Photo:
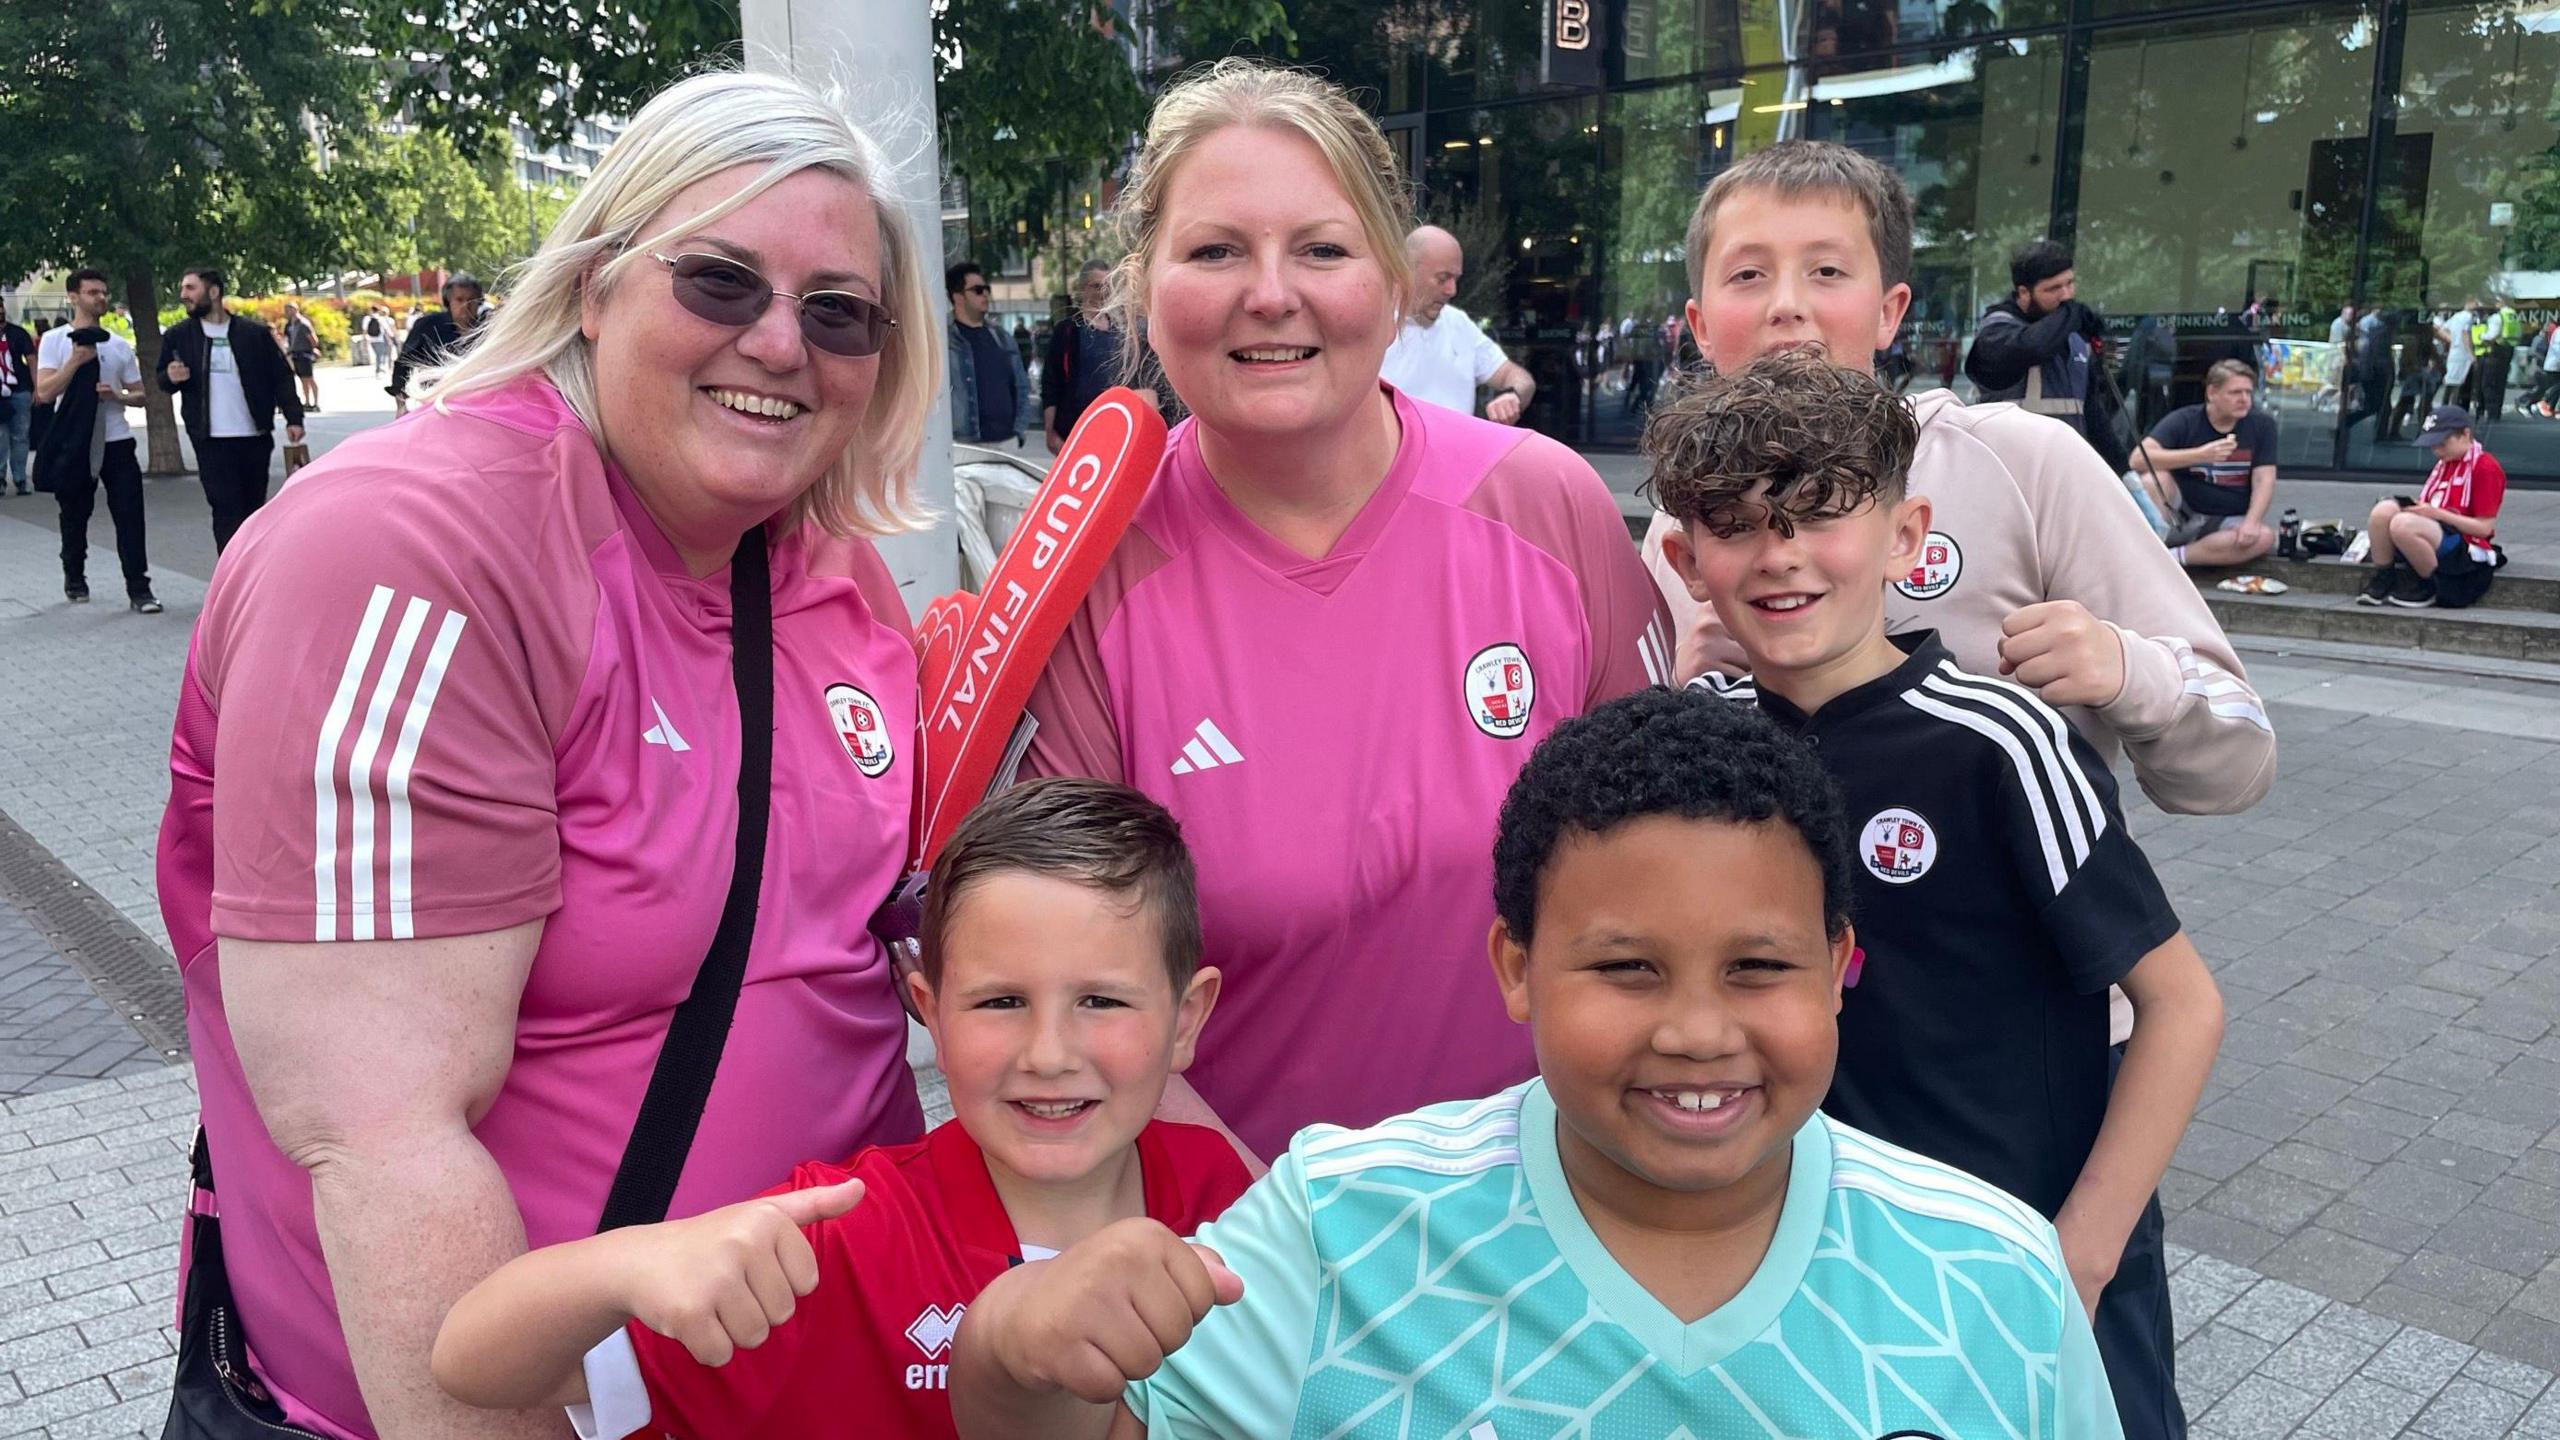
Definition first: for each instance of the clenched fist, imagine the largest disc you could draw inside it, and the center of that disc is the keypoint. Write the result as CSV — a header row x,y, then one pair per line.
x,y
2062,652
1106,1312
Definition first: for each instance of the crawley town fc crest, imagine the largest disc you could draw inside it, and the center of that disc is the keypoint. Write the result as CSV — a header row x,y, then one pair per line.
x,y
859,725
1897,847
1500,689
1941,561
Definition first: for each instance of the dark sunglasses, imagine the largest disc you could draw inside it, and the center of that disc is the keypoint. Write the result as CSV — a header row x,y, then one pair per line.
x,y
728,292
979,289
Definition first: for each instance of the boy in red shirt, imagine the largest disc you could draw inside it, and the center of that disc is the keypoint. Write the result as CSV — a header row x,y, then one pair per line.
x,y
1062,985
2441,550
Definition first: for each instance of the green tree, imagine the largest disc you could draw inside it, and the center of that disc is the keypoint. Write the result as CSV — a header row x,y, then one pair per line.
x,y
149,135
1033,97
414,200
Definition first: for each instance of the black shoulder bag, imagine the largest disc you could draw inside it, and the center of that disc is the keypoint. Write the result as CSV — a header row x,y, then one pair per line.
x,y
217,1396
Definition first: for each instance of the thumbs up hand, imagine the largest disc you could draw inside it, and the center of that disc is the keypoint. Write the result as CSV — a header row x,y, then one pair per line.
x,y
720,1282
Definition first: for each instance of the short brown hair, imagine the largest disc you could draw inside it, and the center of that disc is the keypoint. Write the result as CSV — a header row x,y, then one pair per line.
x,y
1825,439
1792,168
1091,832
2222,372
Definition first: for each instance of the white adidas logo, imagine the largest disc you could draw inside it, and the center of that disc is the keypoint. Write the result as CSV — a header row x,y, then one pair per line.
x,y
1207,749
664,732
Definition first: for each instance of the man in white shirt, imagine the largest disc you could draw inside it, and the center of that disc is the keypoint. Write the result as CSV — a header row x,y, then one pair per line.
x,y
90,445
231,380
1439,355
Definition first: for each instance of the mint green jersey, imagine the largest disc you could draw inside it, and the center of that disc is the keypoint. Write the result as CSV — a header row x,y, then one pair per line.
x,y
1434,1276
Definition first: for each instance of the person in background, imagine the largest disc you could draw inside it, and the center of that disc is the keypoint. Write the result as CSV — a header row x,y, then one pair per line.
x,y
302,354
989,386
17,401
2459,336
230,382
1084,356
2212,469
2439,549
1440,354
2038,348
89,444
438,337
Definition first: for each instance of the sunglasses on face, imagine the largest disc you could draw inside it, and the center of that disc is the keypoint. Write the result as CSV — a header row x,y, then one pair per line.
x,y
979,289
728,292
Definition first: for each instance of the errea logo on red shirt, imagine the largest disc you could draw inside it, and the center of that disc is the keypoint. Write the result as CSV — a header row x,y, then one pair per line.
x,y
931,1332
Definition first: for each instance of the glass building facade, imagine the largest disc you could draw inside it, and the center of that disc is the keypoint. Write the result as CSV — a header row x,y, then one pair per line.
x,y
2230,176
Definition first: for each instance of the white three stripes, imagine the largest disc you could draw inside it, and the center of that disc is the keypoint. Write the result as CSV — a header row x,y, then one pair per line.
x,y
1207,749
357,774
2051,777
1653,646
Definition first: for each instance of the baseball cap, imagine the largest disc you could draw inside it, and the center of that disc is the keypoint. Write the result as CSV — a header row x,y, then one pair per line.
x,y
2441,421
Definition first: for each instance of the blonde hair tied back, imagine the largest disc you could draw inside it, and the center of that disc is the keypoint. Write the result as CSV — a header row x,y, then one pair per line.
x,y
697,128
1241,91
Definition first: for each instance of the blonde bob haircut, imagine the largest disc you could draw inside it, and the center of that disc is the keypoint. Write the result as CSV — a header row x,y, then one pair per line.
x,y
691,131
1239,91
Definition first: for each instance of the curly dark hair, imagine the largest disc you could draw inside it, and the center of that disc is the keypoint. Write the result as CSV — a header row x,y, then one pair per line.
x,y
1826,439
1664,752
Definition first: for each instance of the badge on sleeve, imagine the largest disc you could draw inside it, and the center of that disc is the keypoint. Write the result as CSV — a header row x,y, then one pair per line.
x,y
1500,690
859,725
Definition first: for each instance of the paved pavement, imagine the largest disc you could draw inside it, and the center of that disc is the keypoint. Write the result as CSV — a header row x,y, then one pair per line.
x,y
2364,1219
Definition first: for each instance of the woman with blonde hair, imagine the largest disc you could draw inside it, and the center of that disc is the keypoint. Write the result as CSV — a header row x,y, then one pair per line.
x,y
1339,623
472,760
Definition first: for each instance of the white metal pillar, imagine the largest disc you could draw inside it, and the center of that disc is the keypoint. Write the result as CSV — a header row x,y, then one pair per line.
x,y
880,54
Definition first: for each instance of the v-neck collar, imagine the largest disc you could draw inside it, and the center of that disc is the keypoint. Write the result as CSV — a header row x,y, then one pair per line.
x,y
1921,651
1323,575
1685,1348
977,1212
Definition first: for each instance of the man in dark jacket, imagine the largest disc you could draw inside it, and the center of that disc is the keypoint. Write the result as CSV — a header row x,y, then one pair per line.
x,y
230,381
17,402
439,335
2036,348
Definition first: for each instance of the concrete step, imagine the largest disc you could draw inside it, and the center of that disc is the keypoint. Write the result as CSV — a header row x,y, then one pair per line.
x,y
2504,634
2518,587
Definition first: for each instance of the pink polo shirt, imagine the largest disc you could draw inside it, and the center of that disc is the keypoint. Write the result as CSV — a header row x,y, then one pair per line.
x,y
1336,737
453,679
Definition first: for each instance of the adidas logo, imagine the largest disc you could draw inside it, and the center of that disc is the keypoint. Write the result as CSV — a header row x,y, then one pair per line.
x,y
1207,749
664,732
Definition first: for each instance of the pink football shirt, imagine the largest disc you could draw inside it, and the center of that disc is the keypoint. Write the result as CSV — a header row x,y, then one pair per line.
x,y
1336,737
453,679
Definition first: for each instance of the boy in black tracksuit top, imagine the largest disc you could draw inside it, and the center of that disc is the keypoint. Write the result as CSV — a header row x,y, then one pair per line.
x,y
1999,894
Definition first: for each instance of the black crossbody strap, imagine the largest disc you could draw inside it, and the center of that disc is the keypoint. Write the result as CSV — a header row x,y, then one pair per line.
x,y
671,1111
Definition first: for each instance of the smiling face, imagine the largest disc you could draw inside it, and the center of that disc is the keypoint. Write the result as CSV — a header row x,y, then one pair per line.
x,y
1804,599
1783,270
719,427
1056,1023
1266,302
1681,993
200,299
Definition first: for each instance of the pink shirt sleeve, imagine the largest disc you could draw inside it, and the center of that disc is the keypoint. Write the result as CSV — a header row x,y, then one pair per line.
x,y
1078,733
383,761
1551,497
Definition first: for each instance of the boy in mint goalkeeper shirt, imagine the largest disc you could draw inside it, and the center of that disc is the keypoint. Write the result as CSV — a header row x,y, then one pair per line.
x,y
1656,1237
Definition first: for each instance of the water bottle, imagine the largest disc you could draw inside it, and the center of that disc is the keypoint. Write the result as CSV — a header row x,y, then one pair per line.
x,y
2289,536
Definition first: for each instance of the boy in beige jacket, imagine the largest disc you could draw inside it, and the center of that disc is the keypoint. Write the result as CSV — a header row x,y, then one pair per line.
x,y
2037,566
